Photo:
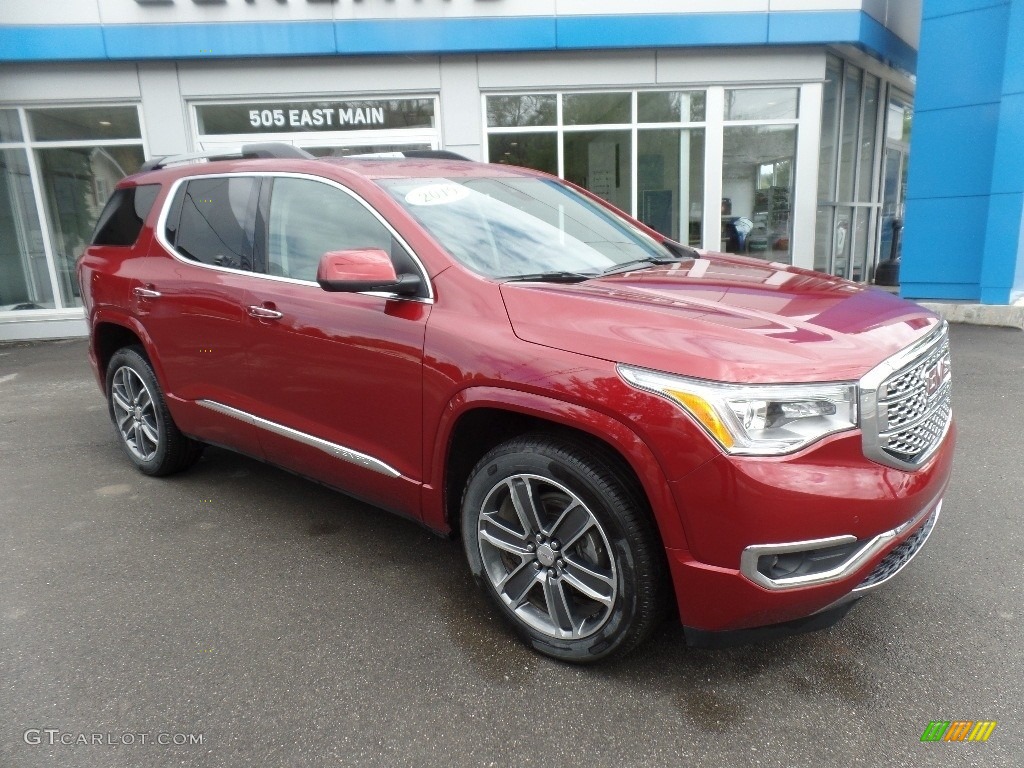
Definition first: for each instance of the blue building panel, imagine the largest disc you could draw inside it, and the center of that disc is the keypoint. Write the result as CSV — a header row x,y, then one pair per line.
x,y
936,8
1008,165
968,134
952,152
64,43
181,41
943,241
963,55
451,35
1013,75
444,35
647,30
1001,260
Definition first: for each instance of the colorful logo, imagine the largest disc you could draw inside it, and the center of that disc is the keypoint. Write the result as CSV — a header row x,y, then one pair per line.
x,y
958,730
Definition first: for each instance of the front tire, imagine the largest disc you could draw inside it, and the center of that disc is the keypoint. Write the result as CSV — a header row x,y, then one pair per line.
x,y
563,543
146,432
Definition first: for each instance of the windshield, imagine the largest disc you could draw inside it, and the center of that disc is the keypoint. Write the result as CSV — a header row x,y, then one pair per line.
x,y
513,227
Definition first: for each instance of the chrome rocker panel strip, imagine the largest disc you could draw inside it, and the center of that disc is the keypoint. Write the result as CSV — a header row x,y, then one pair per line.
x,y
750,555
332,449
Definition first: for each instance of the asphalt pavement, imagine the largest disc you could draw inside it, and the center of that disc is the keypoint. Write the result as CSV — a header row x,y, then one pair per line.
x,y
237,615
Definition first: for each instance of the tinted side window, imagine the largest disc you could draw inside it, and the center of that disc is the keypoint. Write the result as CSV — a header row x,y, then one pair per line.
x,y
216,221
308,218
124,214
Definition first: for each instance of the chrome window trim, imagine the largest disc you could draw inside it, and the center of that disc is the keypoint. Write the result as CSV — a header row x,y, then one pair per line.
x,y
161,235
871,429
750,555
332,449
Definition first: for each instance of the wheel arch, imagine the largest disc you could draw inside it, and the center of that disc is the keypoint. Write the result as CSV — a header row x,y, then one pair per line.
x,y
478,419
111,332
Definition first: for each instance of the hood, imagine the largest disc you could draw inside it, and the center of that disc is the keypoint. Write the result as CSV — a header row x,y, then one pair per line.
x,y
721,317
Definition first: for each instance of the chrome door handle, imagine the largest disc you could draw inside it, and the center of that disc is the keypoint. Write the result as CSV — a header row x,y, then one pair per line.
x,y
146,293
265,314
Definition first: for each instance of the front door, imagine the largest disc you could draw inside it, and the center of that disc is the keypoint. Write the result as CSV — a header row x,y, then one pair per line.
x,y
338,375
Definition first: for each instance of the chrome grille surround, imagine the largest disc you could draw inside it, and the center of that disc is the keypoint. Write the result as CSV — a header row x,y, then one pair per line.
x,y
906,403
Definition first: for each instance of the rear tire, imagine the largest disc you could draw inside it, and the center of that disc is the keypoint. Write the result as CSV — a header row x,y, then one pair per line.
x,y
563,543
146,432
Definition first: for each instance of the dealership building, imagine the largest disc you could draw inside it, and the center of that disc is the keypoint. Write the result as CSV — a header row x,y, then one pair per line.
x,y
776,128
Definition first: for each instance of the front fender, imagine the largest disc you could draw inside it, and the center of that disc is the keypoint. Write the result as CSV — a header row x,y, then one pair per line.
x,y
616,434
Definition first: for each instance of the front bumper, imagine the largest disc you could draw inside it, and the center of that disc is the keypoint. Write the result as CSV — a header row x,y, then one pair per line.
x,y
846,525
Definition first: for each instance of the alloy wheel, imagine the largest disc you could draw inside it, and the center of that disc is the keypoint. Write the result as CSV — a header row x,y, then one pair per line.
x,y
135,413
547,556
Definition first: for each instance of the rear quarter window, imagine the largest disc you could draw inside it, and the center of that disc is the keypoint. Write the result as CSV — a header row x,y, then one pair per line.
x,y
124,214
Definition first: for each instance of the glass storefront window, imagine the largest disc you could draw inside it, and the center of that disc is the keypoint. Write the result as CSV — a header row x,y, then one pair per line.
x,y
666,162
530,150
84,123
848,140
597,108
670,107
55,182
853,231
525,110
24,276
76,184
757,189
670,182
867,140
10,127
829,129
601,162
761,103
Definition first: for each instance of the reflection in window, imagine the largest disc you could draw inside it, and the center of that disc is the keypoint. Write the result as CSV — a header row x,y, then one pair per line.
x,y
510,226
761,103
24,277
670,106
597,108
76,184
529,150
215,224
308,219
525,110
10,127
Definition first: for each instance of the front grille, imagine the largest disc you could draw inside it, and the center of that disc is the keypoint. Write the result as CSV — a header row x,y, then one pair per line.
x,y
894,562
908,411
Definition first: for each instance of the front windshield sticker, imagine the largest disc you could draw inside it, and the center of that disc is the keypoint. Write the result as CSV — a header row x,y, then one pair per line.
x,y
437,194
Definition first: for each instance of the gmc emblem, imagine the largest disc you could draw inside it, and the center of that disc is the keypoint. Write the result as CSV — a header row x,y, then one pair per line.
x,y
934,376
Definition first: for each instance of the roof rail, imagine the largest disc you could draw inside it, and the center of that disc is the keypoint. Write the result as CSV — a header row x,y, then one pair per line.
x,y
277,150
426,154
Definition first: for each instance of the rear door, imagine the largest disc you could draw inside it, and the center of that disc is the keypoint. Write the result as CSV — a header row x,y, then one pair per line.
x,y
192,298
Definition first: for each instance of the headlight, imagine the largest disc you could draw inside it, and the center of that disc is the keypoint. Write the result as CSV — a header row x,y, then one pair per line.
x,y
756,419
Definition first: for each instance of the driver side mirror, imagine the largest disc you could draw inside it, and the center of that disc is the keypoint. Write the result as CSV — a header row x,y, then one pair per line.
x,y
363,269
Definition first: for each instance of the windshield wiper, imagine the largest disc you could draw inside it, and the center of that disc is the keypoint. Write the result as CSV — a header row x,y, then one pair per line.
x,y
650,261
550,277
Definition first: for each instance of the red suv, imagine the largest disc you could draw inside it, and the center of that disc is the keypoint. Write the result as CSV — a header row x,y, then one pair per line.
x,y
613,422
